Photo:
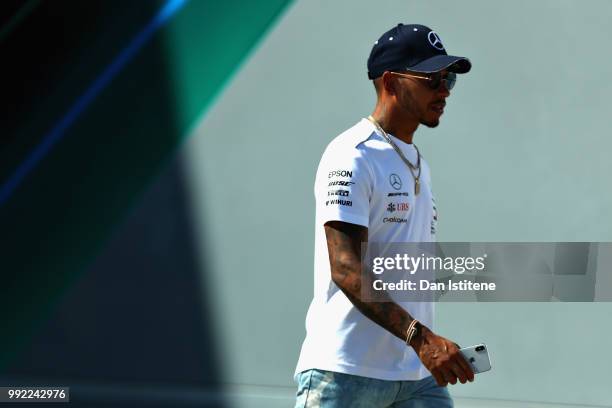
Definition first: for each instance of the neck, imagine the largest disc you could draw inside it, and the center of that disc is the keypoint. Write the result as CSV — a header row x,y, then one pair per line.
x,y
392,122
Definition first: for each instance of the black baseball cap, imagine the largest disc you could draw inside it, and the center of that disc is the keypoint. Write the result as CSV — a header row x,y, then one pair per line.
x,y
412,47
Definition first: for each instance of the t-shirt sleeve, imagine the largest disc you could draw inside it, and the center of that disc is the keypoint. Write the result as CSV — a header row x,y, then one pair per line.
x,y
343,187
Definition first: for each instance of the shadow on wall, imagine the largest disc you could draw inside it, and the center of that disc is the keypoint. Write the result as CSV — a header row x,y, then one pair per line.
x,y
135,324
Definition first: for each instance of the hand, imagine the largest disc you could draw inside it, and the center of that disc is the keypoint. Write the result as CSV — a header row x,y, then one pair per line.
x,y
442,358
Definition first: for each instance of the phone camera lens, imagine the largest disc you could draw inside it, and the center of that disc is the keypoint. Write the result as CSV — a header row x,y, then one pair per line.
x,y
480,348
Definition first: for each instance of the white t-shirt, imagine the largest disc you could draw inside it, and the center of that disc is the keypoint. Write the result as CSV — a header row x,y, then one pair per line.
x,y
362,180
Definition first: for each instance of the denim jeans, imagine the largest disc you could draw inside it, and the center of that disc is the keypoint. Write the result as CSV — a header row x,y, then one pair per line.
x,y
328,389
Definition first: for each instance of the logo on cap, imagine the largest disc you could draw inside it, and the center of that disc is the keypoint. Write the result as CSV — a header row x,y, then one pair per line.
x,y
435,41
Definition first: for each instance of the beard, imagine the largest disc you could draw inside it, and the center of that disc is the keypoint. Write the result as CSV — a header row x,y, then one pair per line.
x,y
430,123
413,108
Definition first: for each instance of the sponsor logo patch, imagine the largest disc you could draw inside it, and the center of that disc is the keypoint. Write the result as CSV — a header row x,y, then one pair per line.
x,y
343,193
340,183
395,219
400,206
434,221
395,181
340,173
347,203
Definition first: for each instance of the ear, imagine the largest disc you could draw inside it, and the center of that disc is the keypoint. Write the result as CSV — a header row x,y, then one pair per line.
x,y
389,82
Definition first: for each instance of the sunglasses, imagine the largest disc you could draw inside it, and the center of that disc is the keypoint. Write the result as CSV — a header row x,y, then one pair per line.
x,y
435,79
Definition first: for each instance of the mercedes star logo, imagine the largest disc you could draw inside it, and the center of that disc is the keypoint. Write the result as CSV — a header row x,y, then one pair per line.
x,y
435,41
395,181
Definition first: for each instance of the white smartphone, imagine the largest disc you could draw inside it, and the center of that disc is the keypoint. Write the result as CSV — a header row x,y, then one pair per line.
x,y
478,357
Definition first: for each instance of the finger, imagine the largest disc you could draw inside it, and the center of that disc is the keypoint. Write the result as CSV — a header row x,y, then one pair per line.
x,y
449,376
439,378
465,366
458,371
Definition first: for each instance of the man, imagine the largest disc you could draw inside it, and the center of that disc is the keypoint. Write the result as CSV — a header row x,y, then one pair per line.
x,y
373,185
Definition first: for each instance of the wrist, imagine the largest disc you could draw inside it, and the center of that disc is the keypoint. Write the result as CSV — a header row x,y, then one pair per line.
x,y
420,336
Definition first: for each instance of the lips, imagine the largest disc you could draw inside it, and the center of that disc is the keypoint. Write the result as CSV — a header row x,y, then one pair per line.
x,y
438,108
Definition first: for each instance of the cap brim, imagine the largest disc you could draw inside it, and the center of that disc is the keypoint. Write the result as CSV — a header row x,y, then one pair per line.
x,y
460,65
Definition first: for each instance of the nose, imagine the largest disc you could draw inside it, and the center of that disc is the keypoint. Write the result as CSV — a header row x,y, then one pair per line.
x,y
443,90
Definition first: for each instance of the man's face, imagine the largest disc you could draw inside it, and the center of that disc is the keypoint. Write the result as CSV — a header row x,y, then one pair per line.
x,y
415,96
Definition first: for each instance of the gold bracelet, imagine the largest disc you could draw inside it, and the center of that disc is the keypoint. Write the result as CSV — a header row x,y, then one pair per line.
x,y
411,331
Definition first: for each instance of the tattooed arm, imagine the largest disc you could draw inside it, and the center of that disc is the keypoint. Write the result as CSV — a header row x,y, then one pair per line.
x,y
439,355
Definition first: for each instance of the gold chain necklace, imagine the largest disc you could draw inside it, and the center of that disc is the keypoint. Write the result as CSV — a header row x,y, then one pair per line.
x,y
411,167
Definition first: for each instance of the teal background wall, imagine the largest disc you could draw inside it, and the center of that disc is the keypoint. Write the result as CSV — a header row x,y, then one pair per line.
x,y
521,155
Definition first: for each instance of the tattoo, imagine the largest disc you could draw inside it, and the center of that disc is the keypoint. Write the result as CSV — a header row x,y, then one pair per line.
x,y
344,246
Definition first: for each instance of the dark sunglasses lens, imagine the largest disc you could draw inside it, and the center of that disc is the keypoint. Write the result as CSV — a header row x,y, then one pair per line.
x,y
451,79
435,79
